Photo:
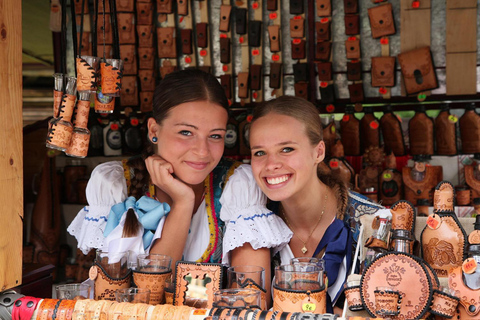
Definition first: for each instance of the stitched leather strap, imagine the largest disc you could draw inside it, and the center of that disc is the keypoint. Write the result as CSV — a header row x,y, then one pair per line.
x,y
24,308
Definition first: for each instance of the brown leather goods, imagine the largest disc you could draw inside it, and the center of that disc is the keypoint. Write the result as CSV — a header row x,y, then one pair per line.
x,y
78,7
274,36
146,58
383,71
314,301
57,101
147,80
381,20
352,294
129,92
101,107
225,50
403,216
446,133
126,28
470,130
369,130
469,306
86,76
128,54
197,270
226,83
155,282
471,181
202,35
225,11
392,133
298,49
338,165
301,90
354,71
297,27
100,6
352,48
242,79
324,71
390,184
329,137
356,92
105,285
418,70
182,7
108,31
79,144
59,134
352,24
125,5
463,195
256,78
144,13
350,133
368,179
146,101
396,270
350,6
164,6
85,43
415,190
186,39
324,8
108,50
322,50
145,36
272,5
275,75
110,78
387,302
323,30
444,244
46,217
420,129
444,304
166,42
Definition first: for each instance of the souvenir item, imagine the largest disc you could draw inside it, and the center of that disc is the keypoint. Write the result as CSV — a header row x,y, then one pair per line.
x,y
111,75
396,270
472,178
446,132
112,137
58,92
369,130
110,272
444,304
250,278
469,306
418,70
151,273
421,133
339,165
470,130
81,135
383,71
350,133
390,183
463,195
381,20
443,240
403,216
392,133
420,181
87,68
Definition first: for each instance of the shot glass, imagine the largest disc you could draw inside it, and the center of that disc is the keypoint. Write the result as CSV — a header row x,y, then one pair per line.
x,y
248,277
111,75
387,301
299,278
115,264
87,68
73,291
134,295
59,83
237,298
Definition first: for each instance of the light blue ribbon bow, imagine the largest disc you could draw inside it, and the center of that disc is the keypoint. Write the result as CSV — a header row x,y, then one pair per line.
x,y
149,212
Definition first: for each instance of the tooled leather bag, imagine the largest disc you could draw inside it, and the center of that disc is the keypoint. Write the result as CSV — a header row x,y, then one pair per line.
x,y
415,190
470,131
381,20
446,133
383,71
469,306
350,134
421,133
444,244
392,134
418,70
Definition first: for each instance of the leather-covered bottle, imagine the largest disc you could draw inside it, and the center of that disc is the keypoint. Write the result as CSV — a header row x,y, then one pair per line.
x,y
470,130
329,136
350,133
390,182
421,133
443,240
421,187
392,132
369,130
472,176
339,165
446,132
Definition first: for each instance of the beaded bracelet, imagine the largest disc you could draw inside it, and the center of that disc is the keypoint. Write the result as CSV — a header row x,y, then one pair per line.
x,y
24,308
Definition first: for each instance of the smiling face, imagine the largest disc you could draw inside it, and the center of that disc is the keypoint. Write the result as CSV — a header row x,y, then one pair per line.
x,y
284,161
191,138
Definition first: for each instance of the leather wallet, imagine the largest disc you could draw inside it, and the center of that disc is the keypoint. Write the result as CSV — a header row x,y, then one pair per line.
x,y
147,80
297,27
354,71
144,13
324,70
146,58
182,7
417,70
129,93
352,48
350,6
381,20
356,92
166,42
324,8
322,50
383,71
352,24
145,36
298,49
126,29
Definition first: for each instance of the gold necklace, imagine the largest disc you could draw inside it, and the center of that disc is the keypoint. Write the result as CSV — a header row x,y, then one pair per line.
x,y
304,248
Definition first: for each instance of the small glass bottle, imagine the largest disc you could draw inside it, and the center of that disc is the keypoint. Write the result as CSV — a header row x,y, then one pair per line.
x,y
401,241
472,280
81,135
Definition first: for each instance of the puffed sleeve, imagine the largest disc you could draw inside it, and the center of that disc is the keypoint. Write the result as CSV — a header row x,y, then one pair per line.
x,y
106,187
246,217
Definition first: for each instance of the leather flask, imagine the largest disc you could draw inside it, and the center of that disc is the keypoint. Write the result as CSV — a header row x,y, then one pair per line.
x,y
421,189
470,130
369,130
350,133
421,133
392,133
446,133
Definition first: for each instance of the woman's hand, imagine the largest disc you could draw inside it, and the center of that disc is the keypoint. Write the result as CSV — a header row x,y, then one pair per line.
x,y
161,173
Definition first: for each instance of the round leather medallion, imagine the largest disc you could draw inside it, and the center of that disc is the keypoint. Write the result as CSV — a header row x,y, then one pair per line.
x,y
397,270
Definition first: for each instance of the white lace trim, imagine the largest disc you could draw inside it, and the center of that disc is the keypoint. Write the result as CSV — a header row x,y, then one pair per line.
x,y
88,228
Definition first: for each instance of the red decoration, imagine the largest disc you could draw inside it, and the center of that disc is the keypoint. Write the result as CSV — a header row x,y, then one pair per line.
x,y
324,20
415,4
345,118
275,57
255,95
353,38
114,126
297,17
203,52
382,90
241,40
323,84
374,125
330,108
134,122
223,36
225,68
255,52
384,40
255,5
188,59
273,16
249,118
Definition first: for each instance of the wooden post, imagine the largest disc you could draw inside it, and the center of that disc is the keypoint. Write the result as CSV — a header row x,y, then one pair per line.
x,y
11,159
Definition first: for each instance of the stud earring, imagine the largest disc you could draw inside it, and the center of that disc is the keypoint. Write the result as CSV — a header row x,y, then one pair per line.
x,y
154,139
